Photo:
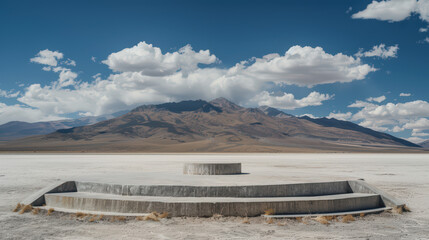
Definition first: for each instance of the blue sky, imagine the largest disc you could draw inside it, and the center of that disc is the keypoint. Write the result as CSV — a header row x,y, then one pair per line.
x,y
332,56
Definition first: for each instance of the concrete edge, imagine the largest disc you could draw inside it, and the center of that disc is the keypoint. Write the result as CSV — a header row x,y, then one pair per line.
x,y
360,186
38,198
74,211
376,210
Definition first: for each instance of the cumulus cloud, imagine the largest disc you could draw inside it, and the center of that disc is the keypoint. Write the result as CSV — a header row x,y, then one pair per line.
x,y
423,29
376,99
340,116
23,113
8,94
47,57
288,101
405,94
395,10
306,66
393,117
416,140
143,74
380,51
150,61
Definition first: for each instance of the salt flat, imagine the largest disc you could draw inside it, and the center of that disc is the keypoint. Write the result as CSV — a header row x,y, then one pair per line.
x,y
405,176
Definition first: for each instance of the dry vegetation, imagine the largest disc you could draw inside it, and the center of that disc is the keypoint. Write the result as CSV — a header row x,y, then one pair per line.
x,y
347,219
50,211
26,208
269,211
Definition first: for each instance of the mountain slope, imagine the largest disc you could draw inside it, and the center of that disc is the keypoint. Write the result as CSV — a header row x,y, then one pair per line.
x,y
425,144
16,129
200,126
335,123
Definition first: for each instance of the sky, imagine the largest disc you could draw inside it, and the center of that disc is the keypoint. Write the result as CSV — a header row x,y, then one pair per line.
x,y
360,61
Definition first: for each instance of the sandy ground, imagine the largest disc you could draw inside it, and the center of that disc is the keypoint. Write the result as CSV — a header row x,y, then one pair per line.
x,y
406,176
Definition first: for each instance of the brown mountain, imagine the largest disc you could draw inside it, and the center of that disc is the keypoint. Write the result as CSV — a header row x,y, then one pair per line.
x,y
17,129
216,126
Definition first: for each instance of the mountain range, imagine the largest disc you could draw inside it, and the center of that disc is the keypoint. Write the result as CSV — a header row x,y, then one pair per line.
x,y
215,126
17,129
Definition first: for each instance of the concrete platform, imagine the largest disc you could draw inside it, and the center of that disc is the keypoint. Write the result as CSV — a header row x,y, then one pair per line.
x,y
208,206
211,168
205,201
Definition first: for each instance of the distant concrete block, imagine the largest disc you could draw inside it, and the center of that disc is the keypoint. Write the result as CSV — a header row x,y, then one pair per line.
x,y
212,168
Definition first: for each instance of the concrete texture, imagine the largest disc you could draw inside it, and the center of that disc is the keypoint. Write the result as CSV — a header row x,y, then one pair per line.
x,y
275,190
211,168
374,210
207,207
363,187
204,201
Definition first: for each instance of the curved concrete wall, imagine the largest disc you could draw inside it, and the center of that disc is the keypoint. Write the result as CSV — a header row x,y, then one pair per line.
x,y
207,208
212,168
281,190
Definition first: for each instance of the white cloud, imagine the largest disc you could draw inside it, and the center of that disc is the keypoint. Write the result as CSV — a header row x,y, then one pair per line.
x,y
47,57
66,77
306,66
308,115
69,62
288,101
416,139
376,99
393,117
93,59
405,94
380,51
150,61
418,125
340,116
395,10
8,94
19,112
423,29
145,75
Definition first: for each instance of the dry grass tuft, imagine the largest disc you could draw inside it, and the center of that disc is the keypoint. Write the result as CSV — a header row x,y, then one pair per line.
x,y
25,209
50,211
269,211
399,210
163,215
322,220
120,218
152,216
405,208
100,217
139,218
81,214
17,208
246,221
347,218
93,218
281,224
270,220
35,211
362,215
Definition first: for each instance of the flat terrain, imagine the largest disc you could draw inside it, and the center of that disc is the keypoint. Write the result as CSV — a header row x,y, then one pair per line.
x,y
405,176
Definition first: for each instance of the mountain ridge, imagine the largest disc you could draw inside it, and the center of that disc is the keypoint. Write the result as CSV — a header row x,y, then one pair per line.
x,y
200,126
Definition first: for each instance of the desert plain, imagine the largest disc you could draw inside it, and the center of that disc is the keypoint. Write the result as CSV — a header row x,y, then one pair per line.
x,y
405,176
